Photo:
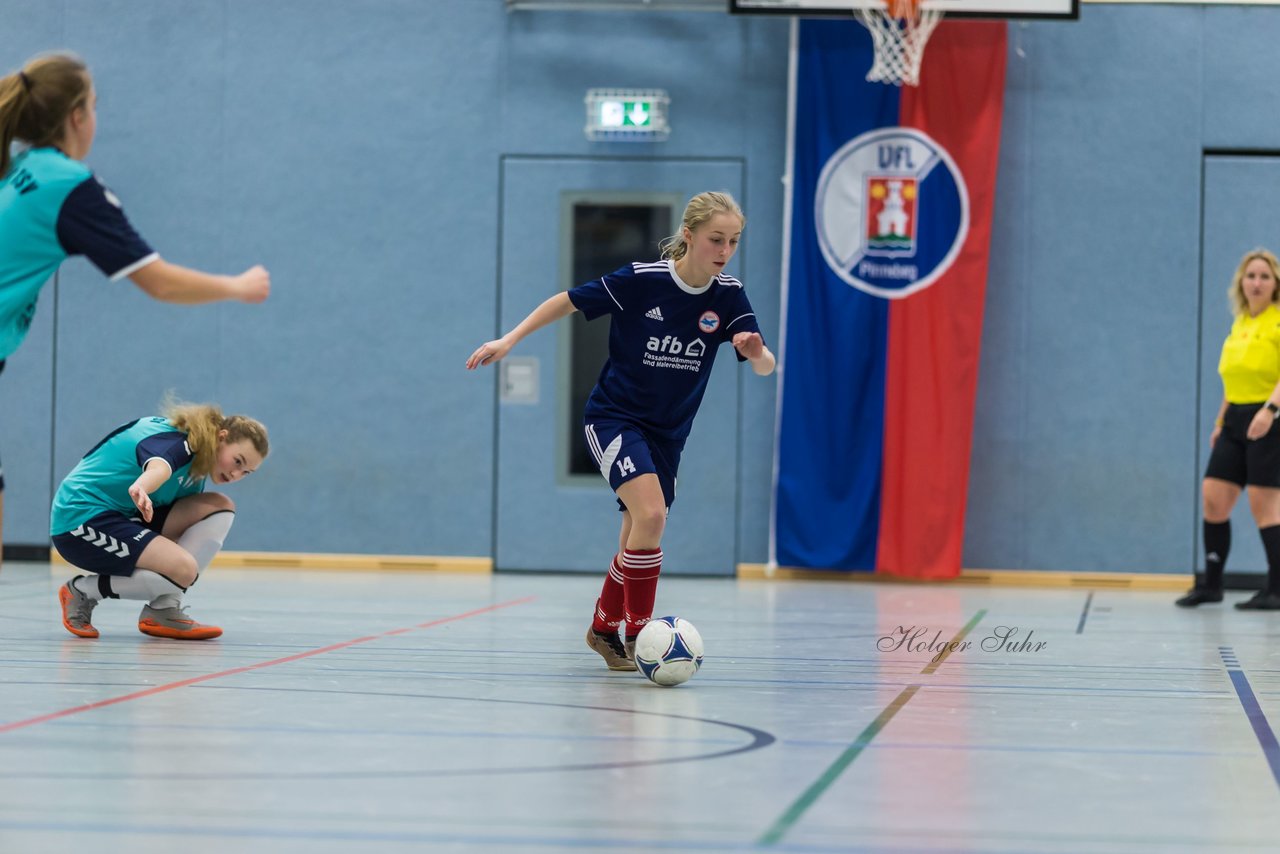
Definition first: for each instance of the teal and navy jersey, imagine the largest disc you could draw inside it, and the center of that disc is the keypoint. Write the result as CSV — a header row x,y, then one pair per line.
x,y
51,207
662,342
101,480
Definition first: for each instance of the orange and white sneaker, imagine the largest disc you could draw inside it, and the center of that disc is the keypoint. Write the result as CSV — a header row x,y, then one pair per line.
x,y
77,609
173,623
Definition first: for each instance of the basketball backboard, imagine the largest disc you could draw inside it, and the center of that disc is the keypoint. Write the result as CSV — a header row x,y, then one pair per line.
x,y
952,8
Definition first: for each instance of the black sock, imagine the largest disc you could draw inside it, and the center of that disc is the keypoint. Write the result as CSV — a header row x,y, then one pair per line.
x,y
104,587
1217,544
1271,542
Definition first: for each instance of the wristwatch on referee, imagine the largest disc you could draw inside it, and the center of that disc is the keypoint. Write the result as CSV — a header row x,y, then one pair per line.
x,y
1272,408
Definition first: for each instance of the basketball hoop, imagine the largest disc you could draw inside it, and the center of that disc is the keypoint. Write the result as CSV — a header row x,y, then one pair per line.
x,y
899,30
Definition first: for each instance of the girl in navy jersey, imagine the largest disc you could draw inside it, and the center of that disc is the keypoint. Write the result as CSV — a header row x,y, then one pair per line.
x,y
134,512
668,319
52,206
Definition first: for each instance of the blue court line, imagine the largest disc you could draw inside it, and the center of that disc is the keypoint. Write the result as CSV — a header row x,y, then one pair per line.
x,y
485,842
908,666
1025,748
1084,615
194,833
482,735
979,688
330,732
1261,729
703,679
758,739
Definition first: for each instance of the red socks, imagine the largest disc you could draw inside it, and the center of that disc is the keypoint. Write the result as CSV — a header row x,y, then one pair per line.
x,y
628,592
640,569
610,605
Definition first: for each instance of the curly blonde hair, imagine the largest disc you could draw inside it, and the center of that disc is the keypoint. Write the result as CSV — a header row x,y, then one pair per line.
x,y
1239,304
203,421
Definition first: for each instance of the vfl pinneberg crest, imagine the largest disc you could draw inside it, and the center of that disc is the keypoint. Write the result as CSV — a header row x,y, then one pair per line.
x,y
891,212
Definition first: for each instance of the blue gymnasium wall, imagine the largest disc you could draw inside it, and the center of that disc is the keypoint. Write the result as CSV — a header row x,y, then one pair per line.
x,y
1086,432
354,149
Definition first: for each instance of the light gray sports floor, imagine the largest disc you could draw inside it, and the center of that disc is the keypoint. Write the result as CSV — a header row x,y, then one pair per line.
x,y
397,712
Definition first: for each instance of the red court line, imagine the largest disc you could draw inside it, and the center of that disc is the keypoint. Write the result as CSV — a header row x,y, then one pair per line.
x,y
198,679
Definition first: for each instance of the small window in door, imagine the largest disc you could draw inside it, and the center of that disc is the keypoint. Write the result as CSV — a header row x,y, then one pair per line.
x,y
603,233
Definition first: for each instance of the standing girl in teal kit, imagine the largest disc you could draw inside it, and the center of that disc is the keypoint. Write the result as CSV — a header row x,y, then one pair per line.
x,y
134,511
52,206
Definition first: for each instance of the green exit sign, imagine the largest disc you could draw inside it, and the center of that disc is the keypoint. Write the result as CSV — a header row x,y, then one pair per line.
x,y
627,115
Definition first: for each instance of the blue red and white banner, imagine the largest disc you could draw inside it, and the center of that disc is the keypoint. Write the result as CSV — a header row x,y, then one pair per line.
x,y
886,270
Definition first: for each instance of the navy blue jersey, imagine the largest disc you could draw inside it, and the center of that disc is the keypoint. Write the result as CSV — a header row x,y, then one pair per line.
x,y
662,343
52,206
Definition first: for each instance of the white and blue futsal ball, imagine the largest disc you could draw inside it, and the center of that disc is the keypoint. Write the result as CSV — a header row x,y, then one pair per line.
x,y
669,650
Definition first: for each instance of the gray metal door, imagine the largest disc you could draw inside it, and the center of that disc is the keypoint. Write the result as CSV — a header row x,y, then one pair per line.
x,y
1239,196
546,518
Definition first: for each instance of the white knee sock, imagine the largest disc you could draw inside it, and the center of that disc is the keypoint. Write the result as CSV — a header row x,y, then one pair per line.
x,y
144,584
90,585
203,541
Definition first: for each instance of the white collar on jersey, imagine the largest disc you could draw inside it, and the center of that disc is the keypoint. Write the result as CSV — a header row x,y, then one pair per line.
x,y
682,284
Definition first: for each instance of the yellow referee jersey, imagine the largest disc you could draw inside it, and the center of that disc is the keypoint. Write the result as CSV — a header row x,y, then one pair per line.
x,y
1250,362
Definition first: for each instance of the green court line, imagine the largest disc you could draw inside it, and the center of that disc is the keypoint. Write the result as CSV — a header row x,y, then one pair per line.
x,y
788,819
955,642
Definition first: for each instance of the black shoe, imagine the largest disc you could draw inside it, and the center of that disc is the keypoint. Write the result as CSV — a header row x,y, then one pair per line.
x,y
1263,600
1199,596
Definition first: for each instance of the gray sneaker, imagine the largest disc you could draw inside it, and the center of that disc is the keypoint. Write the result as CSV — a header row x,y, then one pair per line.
x,y
77,610
173,623
611,649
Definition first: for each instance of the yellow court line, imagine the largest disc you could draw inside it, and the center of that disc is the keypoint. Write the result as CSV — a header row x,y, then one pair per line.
x,y
308,560
997,577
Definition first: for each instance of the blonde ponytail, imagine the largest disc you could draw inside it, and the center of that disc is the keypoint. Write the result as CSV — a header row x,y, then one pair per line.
x,y
699,210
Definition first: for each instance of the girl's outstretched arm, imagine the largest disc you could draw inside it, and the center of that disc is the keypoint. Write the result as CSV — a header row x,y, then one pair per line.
x,y
549,312
173,283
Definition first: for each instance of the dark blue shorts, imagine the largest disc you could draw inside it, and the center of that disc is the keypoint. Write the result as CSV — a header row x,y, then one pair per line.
x,y
622,452
110,543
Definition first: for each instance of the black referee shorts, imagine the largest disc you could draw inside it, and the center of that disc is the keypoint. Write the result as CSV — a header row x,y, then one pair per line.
x,y
1240,460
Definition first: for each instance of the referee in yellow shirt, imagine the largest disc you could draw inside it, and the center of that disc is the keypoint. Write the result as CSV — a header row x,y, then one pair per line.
x,y
1245,440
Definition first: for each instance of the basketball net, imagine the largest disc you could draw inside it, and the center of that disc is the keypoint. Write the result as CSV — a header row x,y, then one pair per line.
x,y
899,30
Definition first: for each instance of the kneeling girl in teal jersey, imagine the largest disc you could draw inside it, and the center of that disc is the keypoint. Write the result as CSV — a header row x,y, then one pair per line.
x,y
134,512
52,207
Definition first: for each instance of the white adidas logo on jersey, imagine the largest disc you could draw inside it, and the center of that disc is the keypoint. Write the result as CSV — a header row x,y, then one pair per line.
x,y
655,313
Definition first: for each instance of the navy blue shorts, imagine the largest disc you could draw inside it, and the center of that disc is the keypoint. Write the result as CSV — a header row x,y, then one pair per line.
x,y
110,543
1240,460
622,452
